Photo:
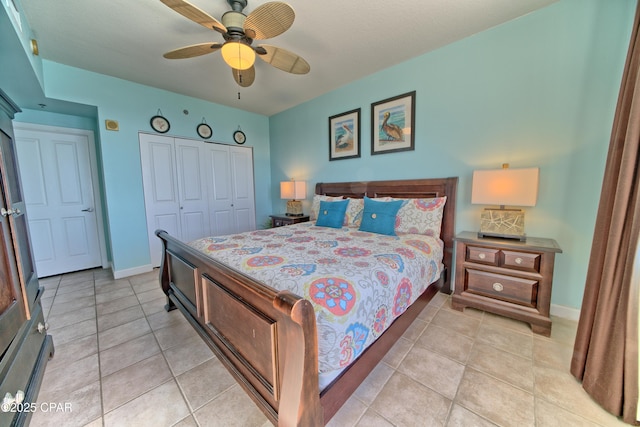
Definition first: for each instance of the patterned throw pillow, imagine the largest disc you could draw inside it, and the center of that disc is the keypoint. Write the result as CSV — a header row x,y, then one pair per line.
x,y
331,214
420,216
315,205
353,216
379,217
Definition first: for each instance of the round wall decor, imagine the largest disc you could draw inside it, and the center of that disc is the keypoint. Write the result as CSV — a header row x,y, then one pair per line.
x,y
204,131
160,124
239,137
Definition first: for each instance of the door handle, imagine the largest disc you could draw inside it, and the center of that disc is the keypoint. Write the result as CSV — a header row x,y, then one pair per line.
x,y
87,210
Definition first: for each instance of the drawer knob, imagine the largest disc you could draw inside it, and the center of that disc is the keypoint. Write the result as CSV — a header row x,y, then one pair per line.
x,y
498,287
482,256
518,260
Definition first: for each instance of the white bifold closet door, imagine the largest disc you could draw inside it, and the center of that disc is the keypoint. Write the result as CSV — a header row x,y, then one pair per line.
x,y
231,193
182,177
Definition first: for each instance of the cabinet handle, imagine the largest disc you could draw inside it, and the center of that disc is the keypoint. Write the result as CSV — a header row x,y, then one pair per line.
x,y
43,328
7,212
482,256
9,400
518,260
497,287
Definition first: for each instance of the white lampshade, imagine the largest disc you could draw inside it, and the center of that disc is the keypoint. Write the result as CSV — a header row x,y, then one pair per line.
x,y
505,187
238,55
293,190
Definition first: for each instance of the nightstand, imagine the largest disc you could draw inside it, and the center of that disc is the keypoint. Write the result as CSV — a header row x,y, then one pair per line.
x,y
506,277
280,220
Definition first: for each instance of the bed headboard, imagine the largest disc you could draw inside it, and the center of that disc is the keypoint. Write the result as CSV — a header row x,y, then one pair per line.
x,y
409,188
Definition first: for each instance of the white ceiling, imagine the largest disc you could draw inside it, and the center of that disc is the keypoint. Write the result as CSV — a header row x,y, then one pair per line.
x,y
343,41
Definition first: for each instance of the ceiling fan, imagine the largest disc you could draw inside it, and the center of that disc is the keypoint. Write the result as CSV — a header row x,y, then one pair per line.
x,y
239,31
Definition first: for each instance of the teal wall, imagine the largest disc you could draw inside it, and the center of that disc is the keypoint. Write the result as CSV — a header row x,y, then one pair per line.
x,y
537,91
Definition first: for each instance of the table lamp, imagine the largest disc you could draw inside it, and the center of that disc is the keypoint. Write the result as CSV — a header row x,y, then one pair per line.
x,y
504,187
293,190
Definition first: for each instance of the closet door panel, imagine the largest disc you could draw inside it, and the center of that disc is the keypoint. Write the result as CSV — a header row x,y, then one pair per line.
x,y
192,189
160,184
221,209
243,188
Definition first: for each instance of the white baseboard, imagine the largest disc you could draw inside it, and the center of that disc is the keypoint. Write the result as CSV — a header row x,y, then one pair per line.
x,y
565,312
119,274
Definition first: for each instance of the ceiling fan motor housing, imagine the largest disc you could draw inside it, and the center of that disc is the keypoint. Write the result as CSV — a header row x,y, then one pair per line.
x,y
234,21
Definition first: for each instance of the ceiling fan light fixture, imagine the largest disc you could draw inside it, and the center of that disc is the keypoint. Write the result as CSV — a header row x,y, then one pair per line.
x,y
238,55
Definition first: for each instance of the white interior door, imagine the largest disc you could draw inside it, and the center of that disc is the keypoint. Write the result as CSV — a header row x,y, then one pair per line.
x,y
55,169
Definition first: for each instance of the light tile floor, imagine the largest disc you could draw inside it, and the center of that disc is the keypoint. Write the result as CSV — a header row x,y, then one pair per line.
x,y
122,360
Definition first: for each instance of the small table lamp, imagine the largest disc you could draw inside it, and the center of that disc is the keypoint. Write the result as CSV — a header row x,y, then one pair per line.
x,y
512,187
293,190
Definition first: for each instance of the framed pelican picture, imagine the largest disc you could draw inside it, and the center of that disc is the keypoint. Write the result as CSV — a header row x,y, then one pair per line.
x,y
344,135
393,124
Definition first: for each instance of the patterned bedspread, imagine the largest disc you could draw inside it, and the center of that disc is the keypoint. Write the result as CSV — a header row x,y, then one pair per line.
x,y
358,282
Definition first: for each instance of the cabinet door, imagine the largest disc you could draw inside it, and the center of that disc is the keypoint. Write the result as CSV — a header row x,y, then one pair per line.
x,y
12,309
15,211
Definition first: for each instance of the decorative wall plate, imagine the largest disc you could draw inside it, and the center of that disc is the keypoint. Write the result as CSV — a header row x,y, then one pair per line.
x,y
204,131
160,124
239,137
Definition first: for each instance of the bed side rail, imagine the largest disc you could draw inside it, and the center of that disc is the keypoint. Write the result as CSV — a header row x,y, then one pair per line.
x,y
266,339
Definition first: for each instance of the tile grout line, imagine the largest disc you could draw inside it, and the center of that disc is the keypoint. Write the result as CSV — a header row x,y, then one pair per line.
x,y
95,308
173,376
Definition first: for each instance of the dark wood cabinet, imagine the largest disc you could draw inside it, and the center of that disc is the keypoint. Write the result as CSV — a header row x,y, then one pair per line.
x,y
25,346
506,277
280,220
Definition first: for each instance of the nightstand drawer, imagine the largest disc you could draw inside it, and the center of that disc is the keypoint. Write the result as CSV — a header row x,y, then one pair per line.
x,y
279,222
506,288
483,255
522,261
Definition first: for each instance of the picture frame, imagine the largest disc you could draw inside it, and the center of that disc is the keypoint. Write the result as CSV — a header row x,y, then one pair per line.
x,y
393,124
344,135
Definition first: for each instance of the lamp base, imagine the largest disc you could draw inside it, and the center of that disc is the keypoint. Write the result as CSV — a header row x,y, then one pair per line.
x,y
502,223
294,208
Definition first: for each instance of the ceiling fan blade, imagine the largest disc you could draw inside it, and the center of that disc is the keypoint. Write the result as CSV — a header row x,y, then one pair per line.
x,y
283,59
197,15
269,20
193,51
244,78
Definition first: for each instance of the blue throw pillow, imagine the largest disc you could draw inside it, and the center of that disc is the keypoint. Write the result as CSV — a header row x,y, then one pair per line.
x,y
380,217
331,214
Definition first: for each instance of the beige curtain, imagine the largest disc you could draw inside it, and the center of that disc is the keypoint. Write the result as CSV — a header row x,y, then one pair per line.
x,y
605,355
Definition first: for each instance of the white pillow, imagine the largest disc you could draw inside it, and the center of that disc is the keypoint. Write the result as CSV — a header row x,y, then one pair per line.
x,y
421,216
353,216
315,205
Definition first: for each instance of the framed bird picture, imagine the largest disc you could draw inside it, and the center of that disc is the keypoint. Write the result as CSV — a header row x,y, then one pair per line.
x,y
344,135
393,124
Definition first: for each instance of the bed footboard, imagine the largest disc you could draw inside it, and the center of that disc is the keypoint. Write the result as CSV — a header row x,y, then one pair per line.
x,y
266,339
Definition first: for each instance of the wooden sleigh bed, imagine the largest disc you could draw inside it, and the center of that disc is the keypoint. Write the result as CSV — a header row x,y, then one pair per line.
x,y
267,339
